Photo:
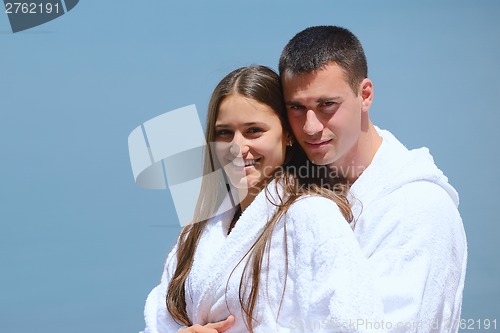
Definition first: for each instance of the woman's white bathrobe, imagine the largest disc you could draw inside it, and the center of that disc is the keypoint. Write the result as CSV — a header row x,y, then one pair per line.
x,y
327,285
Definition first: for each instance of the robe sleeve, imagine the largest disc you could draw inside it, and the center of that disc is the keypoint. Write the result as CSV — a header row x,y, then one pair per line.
x,y
334,290
417,253
156,315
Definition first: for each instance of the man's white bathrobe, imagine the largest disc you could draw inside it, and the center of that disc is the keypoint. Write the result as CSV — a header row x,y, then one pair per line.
x,y
409,228
328,288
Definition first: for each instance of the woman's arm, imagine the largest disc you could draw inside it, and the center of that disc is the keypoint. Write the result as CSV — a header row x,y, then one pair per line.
x,y
156,315
333,283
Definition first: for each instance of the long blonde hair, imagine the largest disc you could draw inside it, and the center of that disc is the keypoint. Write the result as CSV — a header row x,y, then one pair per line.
x,y
263,85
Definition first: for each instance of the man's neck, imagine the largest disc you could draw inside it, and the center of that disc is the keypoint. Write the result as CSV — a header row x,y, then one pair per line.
x,y
351,166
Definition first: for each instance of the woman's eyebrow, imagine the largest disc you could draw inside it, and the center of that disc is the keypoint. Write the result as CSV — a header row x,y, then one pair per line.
x,y
252,123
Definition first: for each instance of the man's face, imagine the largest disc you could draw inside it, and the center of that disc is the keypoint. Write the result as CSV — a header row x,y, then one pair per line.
x,y
325,115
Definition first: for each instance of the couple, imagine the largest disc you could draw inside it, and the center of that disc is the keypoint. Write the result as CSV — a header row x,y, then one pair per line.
x,y
285,258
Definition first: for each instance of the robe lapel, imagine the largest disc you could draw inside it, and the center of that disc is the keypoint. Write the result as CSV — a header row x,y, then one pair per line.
x,y
218,254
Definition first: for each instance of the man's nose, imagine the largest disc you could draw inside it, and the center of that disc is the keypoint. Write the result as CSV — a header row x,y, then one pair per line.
x,y
312,124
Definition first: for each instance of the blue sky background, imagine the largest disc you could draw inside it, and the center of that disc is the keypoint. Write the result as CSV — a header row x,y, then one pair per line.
x,y
81,245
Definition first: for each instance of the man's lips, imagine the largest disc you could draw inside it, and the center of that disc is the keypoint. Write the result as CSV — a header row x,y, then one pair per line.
x,y
318,143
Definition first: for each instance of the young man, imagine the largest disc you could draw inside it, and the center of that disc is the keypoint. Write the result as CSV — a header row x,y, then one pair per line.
x,y
407,221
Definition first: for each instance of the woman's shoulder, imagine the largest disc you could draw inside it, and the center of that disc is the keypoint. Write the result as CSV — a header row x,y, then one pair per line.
x,y
317,213
314,205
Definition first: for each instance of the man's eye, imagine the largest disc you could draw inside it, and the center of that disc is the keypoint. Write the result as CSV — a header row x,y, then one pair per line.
x,y
296,107
329,106
255,130
329,103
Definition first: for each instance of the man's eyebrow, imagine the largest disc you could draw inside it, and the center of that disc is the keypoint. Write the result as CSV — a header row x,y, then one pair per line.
x,y
294,103
327,99
319,100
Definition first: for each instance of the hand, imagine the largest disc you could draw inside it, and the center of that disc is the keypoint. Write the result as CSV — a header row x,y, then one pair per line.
x,y
217,327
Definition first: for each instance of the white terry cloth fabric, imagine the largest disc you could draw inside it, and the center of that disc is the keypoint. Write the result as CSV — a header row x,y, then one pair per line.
x,y
327,285
410,230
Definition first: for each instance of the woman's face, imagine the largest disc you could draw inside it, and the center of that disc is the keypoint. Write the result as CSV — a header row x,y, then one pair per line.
x,y
249,141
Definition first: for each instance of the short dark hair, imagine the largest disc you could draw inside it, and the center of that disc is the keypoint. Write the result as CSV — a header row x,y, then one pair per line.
x,y
315,47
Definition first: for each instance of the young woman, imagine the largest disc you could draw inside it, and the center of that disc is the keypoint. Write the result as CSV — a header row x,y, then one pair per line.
x,y
271,250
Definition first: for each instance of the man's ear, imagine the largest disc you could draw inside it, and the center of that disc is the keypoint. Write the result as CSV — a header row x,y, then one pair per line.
x,y
366,91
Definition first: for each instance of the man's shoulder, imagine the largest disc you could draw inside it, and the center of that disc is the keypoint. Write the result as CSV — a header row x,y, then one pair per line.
x,y
424,195
417,205
416,196
419,209
394,168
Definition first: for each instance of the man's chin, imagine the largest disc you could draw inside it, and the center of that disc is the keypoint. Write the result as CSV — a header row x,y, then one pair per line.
x,y
318,160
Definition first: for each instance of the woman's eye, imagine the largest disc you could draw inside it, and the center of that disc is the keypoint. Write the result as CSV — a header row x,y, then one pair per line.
x,y
222,133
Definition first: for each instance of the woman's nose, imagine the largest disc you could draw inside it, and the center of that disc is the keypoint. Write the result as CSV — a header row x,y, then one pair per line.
x,y
239,145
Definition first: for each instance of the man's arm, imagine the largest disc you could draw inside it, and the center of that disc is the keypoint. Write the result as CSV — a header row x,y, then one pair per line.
x,y
417,252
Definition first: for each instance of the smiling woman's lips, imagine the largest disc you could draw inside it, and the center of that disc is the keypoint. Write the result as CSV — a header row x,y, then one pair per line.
x,y
239,165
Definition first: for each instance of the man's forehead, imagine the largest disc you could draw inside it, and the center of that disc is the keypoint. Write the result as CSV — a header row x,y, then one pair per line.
x,y
328,72
313,87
